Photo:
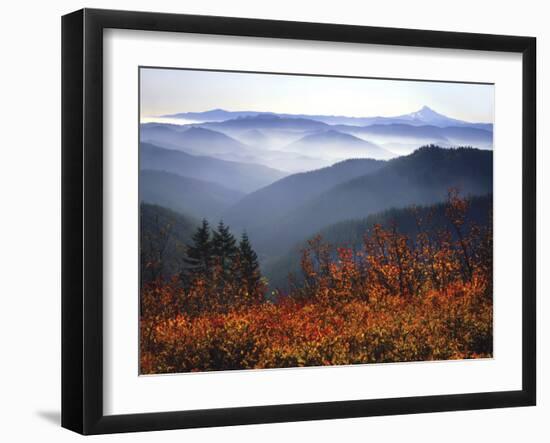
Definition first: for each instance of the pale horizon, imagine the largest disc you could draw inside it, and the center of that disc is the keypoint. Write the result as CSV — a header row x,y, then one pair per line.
x,y
171,91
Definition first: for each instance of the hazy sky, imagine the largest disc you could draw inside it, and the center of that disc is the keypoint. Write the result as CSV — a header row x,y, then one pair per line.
x,y
168,91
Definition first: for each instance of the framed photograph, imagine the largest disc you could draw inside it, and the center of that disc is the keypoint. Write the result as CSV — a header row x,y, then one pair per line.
x,y
269,221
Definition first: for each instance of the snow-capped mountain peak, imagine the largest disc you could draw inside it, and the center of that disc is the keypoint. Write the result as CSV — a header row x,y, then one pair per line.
x,y
427,116
426,112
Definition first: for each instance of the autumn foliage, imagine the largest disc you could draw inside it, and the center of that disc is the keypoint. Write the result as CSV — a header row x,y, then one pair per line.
x,y
397,298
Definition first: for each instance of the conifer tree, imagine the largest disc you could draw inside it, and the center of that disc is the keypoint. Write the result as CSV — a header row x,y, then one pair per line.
x,y
224,247
250,268
199,254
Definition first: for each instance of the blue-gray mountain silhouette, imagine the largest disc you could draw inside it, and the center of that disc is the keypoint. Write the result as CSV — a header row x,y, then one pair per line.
x,y
338,145
193,140
265,205
422,178
350,233
199,198
423,116
243,177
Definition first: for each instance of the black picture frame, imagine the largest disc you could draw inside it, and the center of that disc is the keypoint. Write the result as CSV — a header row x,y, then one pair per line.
x,y
82,218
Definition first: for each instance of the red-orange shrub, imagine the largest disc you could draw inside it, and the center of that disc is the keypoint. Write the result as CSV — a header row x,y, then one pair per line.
x,y
398,299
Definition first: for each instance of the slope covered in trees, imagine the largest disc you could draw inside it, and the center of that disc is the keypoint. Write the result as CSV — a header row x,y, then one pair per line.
x,y
259,209
164,235
350,233
242,177
183,194
422,178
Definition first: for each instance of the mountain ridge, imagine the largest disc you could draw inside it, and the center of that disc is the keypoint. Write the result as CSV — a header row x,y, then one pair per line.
x,y
423,115
423,178
192,196
338,145
350,233
243,177
294,190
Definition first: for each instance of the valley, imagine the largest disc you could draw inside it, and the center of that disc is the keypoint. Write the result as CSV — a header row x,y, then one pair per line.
x,y
283,179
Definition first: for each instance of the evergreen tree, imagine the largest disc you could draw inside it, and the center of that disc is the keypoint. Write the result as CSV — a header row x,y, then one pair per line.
x,y
224,247
199,254
250,268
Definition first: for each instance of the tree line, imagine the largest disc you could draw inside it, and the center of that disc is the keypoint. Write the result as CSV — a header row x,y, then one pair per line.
x,y
216,254
217,272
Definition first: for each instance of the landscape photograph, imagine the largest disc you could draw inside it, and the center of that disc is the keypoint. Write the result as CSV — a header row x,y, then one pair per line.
x,y
291,220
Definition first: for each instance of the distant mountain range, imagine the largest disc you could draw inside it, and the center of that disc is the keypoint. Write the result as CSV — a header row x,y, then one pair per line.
x,y
194,140
198,198
242,177
297,143
424,116
198,140
405,135
338,145
267,122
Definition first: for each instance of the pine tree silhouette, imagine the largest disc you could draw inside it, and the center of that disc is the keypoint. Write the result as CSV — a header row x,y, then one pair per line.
x,y
224,247
250,268
199,254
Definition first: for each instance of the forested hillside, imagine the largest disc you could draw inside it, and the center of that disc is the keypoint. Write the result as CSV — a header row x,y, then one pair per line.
x,y
259,209
350,233
198,198
243,177
163,237
422,178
